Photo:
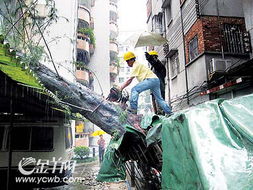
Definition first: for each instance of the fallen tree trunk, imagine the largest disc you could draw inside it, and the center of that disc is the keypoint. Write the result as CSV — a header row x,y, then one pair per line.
x,y
80,99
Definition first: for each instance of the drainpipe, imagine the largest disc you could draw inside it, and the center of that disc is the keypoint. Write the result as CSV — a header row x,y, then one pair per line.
x,y
218,14
186,75
167,59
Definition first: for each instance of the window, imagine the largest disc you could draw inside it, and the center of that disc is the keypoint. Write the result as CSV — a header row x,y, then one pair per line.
x,y
32,139
42,138
2,130
233,38
157,23
193,48
68,137
174,65
20,138
168,13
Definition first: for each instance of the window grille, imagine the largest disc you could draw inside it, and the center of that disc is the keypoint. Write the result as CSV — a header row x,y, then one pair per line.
x,y
233,38
157,23
174,65
193,48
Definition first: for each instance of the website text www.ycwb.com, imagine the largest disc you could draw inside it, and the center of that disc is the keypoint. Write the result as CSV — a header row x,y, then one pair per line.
x,y
54,179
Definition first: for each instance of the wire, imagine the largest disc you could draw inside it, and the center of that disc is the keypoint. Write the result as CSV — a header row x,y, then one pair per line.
x,y
22,16
190,92
47,48
233,65
100,86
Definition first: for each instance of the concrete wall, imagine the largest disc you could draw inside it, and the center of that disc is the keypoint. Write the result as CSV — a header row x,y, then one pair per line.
x,y
100,61
248,14
61,39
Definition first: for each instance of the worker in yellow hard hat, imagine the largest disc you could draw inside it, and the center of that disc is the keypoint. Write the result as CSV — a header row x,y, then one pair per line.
x,y
147,81
158,68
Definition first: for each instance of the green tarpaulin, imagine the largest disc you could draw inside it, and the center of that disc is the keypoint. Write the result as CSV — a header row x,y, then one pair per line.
x,y
113,166
209,146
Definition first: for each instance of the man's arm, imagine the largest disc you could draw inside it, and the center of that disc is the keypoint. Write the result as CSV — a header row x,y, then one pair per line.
x,y
127,83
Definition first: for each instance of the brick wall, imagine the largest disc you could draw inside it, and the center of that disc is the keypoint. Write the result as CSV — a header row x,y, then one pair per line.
x,y
209,32
84,141
212,29
196,30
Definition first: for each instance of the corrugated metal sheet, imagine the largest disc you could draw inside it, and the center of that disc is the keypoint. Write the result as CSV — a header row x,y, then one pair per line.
x,y
202,3
189,14
174,33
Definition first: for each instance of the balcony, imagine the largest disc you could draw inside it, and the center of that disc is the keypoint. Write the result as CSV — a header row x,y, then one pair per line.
x,y
86,3
83,42
84,14
82,76
113,49
113,16
113,7
113,69
113,45
113,72
83,24
113,30
83,56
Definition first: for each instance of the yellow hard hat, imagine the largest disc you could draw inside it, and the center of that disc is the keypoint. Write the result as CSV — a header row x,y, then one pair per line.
x,y
129,55
153,53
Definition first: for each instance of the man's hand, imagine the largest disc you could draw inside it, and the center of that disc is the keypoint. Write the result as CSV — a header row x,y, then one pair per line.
x,y
126,83
115,94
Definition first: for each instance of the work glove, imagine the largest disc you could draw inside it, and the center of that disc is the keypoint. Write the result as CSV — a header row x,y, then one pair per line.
x,y
148,57
115,94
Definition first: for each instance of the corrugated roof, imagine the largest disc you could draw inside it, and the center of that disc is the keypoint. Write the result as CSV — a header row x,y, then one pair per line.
x,y
13,68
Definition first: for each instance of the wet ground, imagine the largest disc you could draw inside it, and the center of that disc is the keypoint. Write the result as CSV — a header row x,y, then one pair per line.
x,y
86,180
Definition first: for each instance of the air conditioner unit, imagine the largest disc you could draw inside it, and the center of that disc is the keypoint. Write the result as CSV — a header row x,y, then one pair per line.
x,y
219,65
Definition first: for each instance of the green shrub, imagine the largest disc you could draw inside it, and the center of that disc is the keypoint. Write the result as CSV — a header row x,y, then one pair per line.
x,y
82,151
89,32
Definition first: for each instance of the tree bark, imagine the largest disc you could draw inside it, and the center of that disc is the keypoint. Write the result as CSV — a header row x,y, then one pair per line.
x,y
80,99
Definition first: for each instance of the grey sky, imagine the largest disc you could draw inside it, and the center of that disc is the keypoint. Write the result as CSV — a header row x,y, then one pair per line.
x,y
132,17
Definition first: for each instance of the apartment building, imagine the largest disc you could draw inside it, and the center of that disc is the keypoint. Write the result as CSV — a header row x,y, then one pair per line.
x,y
97,50
81,44
206,49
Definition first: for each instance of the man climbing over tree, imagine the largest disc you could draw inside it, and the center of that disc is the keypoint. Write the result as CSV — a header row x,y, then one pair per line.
x,y
158,68
147,81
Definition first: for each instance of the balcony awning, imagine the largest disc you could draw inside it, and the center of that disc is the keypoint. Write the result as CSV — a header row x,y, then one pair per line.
x,y
171,53
20,85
